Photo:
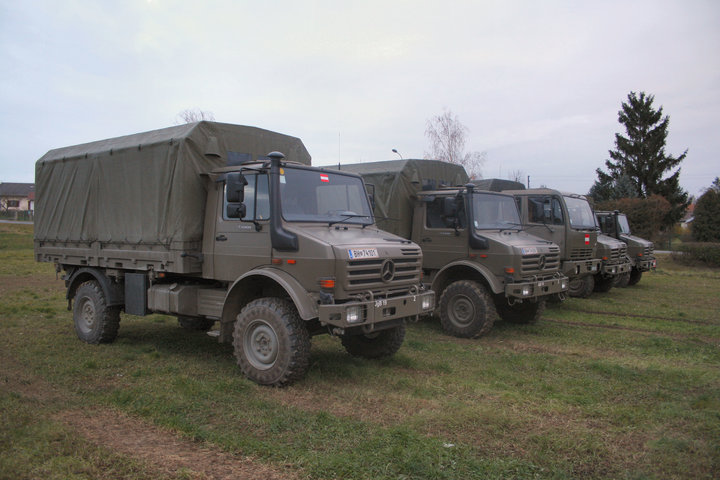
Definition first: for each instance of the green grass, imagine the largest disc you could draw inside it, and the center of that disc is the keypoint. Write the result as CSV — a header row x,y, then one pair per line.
x,y
621,385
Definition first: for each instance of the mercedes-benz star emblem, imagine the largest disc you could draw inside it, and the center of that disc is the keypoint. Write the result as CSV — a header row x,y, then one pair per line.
x,y
541,262
387,272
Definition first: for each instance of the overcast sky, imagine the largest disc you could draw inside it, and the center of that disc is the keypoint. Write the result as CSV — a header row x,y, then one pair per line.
x,y
538,84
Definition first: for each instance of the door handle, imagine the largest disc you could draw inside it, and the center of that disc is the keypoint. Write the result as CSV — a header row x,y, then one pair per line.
x,y
427,239
221,238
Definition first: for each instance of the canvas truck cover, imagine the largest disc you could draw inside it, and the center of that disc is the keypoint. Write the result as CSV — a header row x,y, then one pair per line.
x,y
397,181
143,189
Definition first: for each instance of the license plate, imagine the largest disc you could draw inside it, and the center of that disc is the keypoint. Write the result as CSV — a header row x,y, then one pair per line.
x,y
356,253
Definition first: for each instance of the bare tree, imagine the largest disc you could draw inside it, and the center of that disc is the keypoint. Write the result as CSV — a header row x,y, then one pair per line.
x,y
517,176
194,115
447,142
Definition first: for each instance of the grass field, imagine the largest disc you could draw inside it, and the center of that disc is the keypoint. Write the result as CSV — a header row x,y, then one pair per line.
x,y
621,385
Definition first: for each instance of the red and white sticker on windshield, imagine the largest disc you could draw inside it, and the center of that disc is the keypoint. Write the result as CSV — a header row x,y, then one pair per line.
x,y
587,239
324,178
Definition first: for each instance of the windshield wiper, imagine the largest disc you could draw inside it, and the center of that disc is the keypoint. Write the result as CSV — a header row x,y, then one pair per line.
x,y
347,216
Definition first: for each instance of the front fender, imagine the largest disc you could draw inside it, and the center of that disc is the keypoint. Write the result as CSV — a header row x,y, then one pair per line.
x,y
465,270
238,294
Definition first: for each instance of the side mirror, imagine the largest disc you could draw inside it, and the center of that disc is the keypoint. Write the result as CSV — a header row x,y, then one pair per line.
x,y
235,188
235,210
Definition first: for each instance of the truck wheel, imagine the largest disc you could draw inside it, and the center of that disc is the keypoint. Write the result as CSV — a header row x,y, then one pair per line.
x,y
95,322
384,343
603,284
195,324
621,281
467,310
526,312
635,276
271,343
581,286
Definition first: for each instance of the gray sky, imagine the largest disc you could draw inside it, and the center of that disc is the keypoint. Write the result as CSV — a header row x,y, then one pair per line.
x,y
537,83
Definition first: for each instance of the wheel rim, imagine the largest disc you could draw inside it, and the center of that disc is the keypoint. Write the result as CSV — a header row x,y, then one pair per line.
x,y
461,311
87,315
576,285
261,345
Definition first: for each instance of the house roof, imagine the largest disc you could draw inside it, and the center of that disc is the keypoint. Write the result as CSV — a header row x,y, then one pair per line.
x,y
16,189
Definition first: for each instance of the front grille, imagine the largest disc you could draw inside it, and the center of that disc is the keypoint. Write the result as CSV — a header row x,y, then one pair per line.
x,y
542,262
367,274
648,251
617,254
581,254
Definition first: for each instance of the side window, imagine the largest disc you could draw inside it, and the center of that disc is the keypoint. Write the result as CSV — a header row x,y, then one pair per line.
x,y
257,199
435,218
536,209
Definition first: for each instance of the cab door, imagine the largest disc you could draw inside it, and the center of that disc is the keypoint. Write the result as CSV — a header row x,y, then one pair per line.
x,y
243,244
440,240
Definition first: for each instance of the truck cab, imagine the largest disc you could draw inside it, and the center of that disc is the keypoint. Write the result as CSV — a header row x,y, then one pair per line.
x,y
567,220
640,252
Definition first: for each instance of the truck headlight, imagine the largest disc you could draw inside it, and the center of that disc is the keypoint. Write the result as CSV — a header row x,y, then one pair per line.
x,y
526,290
563,284
427,302
353,314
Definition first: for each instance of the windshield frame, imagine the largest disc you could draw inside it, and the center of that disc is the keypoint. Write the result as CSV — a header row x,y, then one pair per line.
x,y
502,224
306,189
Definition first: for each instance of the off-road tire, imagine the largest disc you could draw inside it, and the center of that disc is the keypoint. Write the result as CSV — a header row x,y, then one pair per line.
x,y
467,310
195,324
581,286
271,342
526,312
380,344
95,322
635,276
621,281
603,284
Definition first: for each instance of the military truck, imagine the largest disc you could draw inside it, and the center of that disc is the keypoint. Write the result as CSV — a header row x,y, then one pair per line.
x,y
640,251
614,262
477,258
568,221
207,222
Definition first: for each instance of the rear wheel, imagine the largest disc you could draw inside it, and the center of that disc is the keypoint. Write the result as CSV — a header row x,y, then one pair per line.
x,y
271,343
603,284
466,309
635,276
581,286
95,322
381,344
525,312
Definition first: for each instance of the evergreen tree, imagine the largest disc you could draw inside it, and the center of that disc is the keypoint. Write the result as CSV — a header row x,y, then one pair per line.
x,y
640,156
706,225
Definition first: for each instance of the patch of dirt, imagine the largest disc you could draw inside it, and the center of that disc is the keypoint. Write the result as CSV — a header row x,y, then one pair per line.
x,y
161,450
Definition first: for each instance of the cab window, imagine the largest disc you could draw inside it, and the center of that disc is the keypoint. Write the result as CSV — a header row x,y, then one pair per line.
x,y
257,199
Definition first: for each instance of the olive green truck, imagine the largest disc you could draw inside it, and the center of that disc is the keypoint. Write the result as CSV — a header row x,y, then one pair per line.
x,y
641,252
476,256
203,222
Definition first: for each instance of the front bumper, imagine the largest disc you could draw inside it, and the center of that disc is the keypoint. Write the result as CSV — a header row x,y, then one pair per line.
x,y
374,311
645,264
537,288
582,267
611,270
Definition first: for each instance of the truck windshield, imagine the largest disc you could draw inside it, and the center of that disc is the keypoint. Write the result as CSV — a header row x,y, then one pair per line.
x,y
580,213
321,196
623,224
493,211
